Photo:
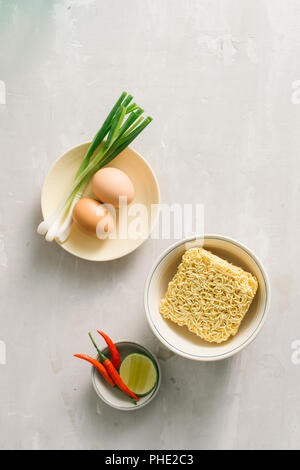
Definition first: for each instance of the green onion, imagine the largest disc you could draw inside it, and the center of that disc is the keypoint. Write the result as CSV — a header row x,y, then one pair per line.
x,y
119,133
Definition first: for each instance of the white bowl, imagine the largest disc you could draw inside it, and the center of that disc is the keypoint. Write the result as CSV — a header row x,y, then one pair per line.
x,y
179,339
114,397
59,180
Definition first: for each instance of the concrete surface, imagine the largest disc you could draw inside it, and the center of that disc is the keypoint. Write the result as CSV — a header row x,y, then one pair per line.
x,y
221,79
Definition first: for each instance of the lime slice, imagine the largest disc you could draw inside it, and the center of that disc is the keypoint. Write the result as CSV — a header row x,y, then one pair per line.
x,y
139,373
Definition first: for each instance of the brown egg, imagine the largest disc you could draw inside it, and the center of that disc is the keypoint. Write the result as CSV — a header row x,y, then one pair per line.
x,y
93,218
109,184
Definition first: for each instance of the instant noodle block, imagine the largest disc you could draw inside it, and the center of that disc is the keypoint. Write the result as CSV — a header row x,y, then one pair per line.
x,y
209,295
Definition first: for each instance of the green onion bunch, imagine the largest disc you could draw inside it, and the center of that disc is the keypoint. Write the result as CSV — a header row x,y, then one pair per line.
x,y
122,125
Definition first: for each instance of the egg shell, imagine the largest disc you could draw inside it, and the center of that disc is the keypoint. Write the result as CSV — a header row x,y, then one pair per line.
x,y
88,213
109,184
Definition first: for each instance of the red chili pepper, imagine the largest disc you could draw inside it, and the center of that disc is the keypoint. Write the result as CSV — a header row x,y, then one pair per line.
x,y
98,366
113,350
113,372
116,378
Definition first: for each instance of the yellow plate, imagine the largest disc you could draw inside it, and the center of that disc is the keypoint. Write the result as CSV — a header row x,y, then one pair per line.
x,y
59,180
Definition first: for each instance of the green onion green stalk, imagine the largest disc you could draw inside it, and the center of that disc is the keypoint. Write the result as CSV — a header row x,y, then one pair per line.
x,y
122,125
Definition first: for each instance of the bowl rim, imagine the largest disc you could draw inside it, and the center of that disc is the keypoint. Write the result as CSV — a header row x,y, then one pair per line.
x,y
154,221
152,394
253,335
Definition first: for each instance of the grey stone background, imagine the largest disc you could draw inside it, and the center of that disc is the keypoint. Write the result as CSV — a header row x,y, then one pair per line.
x,y
220,79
